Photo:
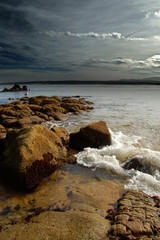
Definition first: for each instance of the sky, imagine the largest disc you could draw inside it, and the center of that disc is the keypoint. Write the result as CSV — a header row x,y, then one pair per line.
x,y
79,40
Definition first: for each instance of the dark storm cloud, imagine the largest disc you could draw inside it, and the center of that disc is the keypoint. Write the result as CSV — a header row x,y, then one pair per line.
x,y
12,19
14,60
60,36
11,2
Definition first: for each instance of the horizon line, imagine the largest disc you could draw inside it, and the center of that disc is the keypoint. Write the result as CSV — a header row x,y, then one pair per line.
x,y
150,81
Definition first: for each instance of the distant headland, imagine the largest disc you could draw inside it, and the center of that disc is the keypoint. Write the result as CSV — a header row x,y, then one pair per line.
x,y
144,81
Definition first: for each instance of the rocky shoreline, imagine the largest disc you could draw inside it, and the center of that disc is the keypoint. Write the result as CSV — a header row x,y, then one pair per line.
x,y
35,110
31,153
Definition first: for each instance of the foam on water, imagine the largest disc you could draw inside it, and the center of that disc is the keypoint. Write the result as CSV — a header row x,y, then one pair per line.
x,y
145,182
146,177
92,158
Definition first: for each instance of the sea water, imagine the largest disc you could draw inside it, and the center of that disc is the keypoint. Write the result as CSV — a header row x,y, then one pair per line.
x,y
132,113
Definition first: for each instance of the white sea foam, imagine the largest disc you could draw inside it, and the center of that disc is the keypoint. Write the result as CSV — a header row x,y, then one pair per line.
x,y
146,177
145,182
92,158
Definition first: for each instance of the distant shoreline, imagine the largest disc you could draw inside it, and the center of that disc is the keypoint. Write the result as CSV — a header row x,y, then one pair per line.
x,y
95,82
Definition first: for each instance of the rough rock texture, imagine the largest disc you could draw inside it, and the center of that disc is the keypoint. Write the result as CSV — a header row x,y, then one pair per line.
x,y
29,121
137,217
93,135
34,110
33,153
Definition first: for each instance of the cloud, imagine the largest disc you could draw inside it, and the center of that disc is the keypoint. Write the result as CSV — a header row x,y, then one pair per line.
x,y
101,36
13,19
113,35
151,64
157,38
148,64
61,35
94,35
91,35
155,14
11,2
11,60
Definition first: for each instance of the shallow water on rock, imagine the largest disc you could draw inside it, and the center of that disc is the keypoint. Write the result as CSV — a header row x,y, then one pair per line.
x,y
71,194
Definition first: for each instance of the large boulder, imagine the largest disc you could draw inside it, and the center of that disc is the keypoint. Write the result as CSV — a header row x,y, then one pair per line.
x,y
33,153
93,135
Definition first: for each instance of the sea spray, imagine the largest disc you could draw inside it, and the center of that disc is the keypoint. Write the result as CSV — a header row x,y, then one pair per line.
x,y
124,148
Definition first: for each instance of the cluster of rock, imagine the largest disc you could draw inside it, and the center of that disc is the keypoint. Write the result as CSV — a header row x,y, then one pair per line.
x,y
31,152
15,88
137,217
35,110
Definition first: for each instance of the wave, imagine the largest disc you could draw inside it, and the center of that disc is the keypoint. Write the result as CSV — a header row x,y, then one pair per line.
x,y
127,159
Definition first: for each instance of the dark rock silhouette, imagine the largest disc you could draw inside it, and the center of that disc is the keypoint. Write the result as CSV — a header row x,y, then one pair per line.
x,y
15,88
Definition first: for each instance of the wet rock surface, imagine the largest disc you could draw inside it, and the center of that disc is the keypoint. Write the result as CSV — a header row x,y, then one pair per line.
x,y
68,206
137,217
93,135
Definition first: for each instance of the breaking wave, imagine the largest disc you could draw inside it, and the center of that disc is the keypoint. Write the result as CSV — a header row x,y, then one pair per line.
x,y
127,159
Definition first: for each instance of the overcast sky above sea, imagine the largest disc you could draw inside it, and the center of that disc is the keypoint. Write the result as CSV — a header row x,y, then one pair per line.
x,y
79,40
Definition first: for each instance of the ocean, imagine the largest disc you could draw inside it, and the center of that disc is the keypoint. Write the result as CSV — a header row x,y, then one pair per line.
x,y
132,114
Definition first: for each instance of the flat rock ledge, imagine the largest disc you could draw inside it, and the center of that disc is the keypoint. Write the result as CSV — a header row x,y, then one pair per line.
x,y
137,217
